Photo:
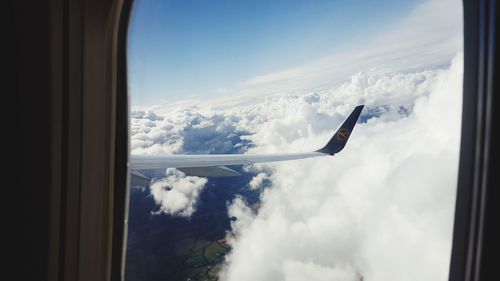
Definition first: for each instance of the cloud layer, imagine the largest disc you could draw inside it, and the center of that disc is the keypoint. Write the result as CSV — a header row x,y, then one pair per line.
x,y
380,210
300,122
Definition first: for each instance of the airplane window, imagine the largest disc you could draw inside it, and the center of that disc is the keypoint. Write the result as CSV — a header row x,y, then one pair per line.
x,y
293,140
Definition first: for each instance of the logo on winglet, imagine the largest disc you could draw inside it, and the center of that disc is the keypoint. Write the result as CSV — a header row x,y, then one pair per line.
x,y
342,134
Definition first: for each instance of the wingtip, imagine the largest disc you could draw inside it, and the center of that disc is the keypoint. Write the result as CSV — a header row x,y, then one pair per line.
x,y
359,108
341,136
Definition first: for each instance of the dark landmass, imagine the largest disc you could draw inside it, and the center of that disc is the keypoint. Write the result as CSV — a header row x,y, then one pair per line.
x,y
164,247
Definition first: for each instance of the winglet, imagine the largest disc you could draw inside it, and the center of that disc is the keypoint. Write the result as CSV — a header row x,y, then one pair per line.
x,y
339,139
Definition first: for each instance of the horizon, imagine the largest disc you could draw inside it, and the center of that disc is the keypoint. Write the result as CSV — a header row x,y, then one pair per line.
x,y
216,49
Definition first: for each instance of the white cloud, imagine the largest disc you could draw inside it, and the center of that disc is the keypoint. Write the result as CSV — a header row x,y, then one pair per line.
x,y
239,209
296,270
258,181
177,194
382,209
282,123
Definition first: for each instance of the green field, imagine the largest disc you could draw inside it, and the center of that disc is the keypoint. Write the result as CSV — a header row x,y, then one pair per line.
x,y
190,258
214,251
202,259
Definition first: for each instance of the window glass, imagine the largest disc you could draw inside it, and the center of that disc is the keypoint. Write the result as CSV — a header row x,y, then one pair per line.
x,y
273,77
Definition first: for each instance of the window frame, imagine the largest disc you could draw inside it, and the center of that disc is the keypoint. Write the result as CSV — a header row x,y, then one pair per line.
x,y
87,213
476,177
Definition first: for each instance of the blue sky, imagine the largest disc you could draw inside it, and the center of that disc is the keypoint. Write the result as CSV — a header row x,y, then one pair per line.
x,y
194,49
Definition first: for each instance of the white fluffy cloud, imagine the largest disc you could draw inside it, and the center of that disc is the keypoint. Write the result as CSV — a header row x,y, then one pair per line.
x,y
177,194
258,180
382,209
301,122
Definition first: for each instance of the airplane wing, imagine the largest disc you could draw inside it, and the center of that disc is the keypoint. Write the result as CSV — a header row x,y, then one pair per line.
x,y
214,165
